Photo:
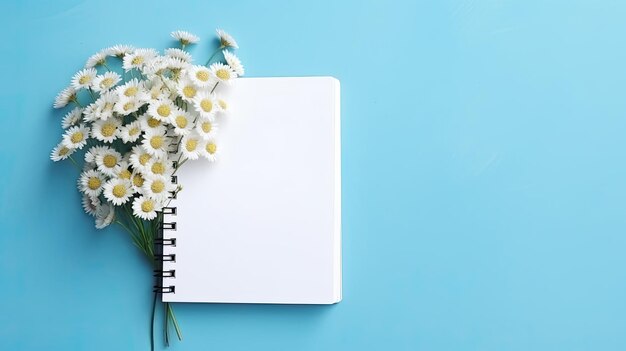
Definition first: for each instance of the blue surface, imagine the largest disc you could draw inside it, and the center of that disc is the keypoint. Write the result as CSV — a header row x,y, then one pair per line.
x,y
484,176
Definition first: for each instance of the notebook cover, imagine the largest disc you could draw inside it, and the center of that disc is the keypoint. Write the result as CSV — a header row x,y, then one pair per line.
x,y
263,223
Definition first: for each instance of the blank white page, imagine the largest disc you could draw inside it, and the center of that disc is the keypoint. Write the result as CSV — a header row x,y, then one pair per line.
x,y
263,223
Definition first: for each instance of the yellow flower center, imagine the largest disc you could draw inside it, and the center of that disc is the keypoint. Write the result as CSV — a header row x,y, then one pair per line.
x,y
153,122
181,121
202,75
84,79
143,159
131,91
137,60
107,130
63,151
189,92
119,190
106,82
133,131
128,106
156,141
164,110
147,206
157,186
125,174
158,168
109,161
94,183
223,74
77,137
206,127
154,93
137,180
206,105
211,148
191,144
222,104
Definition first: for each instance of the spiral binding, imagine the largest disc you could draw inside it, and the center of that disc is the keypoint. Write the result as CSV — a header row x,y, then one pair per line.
x,y
160,242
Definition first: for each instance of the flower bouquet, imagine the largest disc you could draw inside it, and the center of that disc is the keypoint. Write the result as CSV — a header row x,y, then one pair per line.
x,y
139,116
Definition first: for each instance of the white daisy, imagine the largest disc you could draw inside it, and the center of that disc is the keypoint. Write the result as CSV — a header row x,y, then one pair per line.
x,y
146,208
185,38
118,191
234,62
206,129
109,161
191,145
99,58
90,155
158,187
127,105
139,158
209,150
179,54
226,40
90,204
102,108
130,89
148,123
130,132
91,183
156,67
155,89
106,81
155,142
186,89
84,78
201,76
64,97
176,64
159,166
124,172
205,105
120,50
105,214
61,152
138,58
105,130
72,117
162,109
76,137
181,121
137,181
223,73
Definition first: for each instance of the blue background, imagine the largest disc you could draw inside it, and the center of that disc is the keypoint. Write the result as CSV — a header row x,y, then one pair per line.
x,y
484,176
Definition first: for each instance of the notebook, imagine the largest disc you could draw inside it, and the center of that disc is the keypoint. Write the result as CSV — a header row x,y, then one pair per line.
x,y
263,223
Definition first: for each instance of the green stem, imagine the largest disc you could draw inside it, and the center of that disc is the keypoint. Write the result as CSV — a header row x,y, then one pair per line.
x,y
215,53
178,165
77,102
75,163
152,323
93,97
176,327
166,326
